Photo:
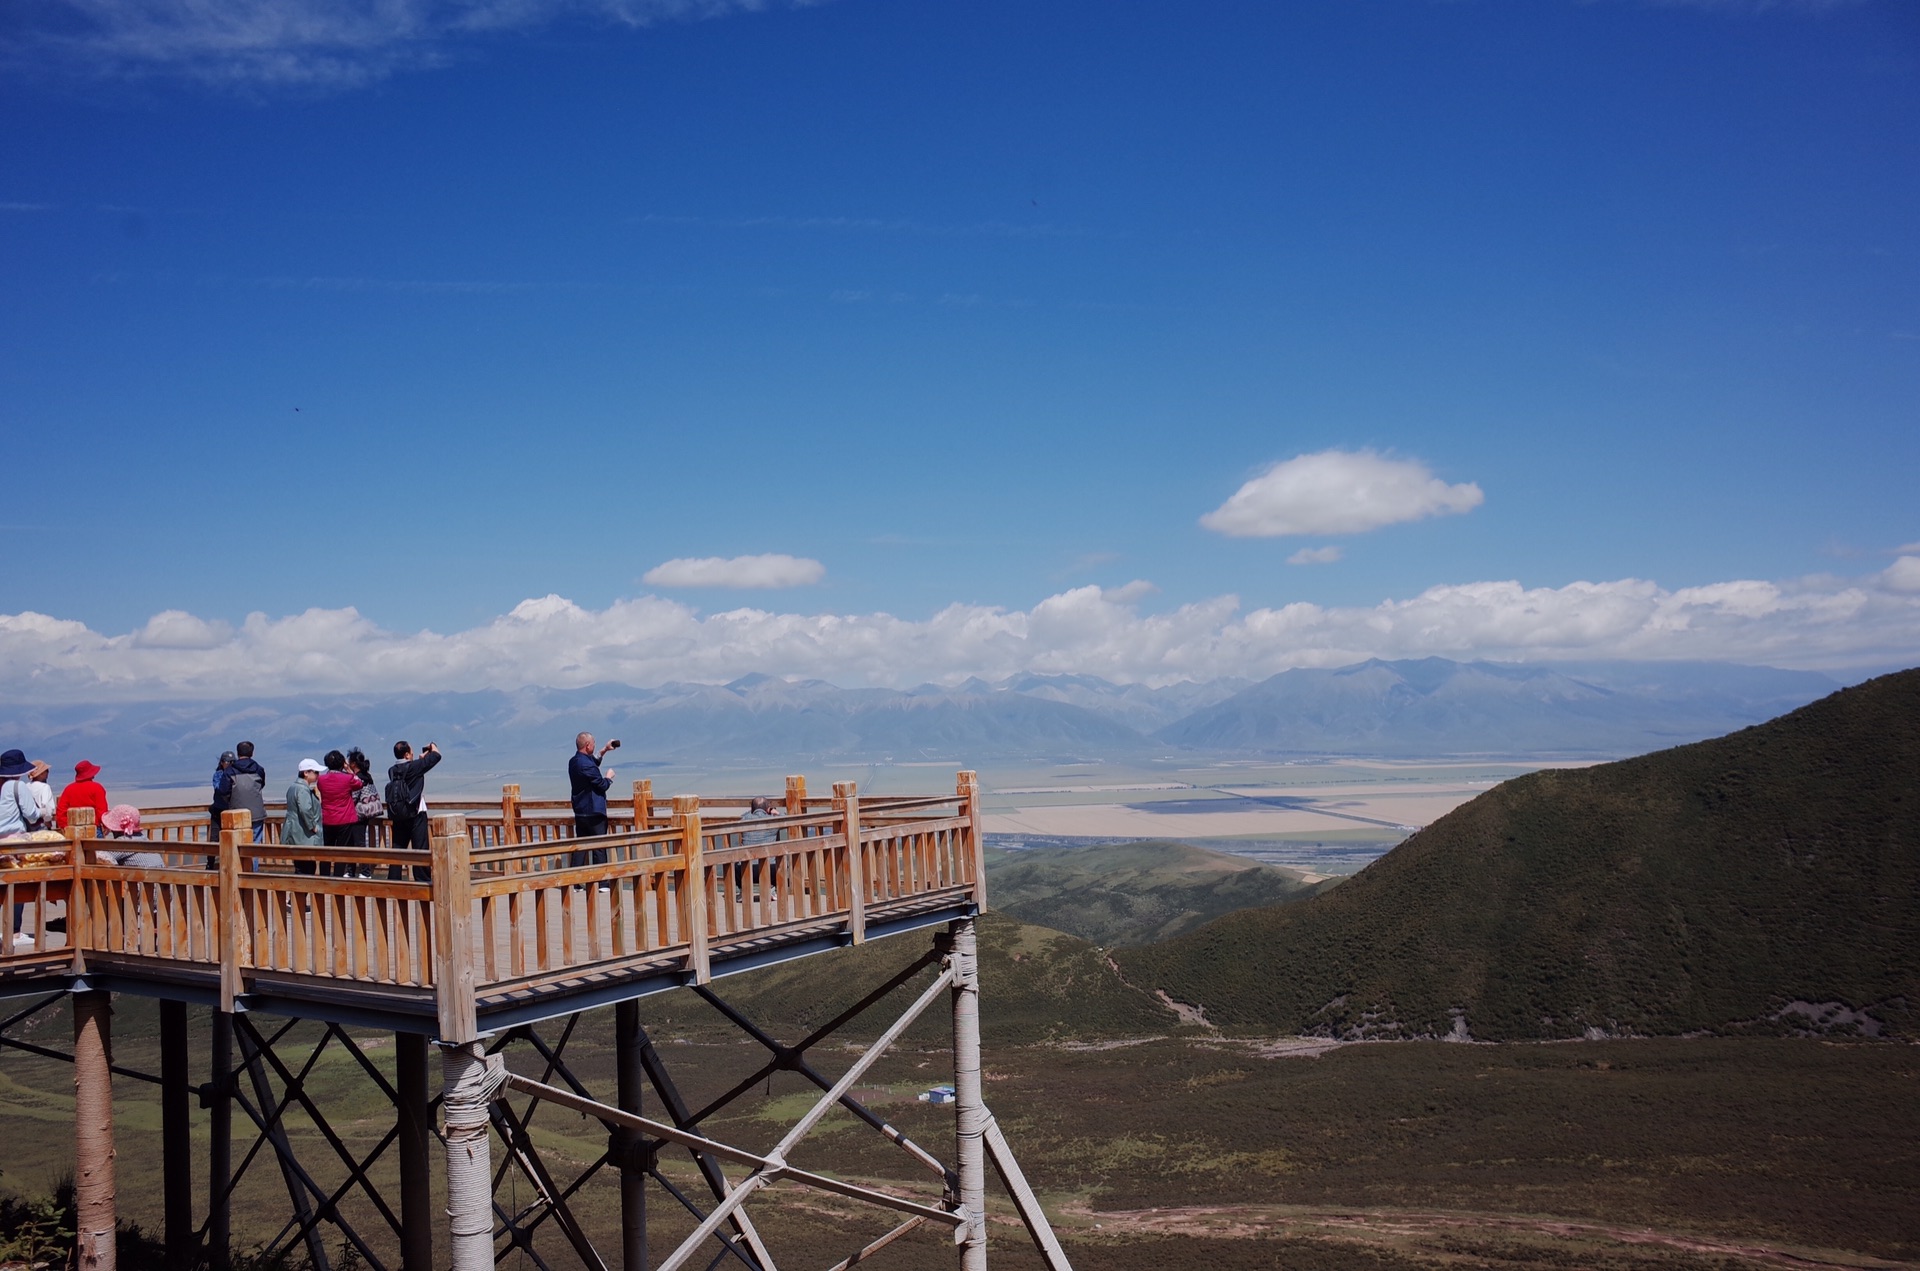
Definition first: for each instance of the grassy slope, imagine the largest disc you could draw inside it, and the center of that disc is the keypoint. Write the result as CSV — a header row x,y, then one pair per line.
x,y
1131,893
1702,887
1036,985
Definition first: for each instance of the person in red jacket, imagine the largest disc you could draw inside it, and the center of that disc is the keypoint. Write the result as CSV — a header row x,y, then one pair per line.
x,y
339,819
82,792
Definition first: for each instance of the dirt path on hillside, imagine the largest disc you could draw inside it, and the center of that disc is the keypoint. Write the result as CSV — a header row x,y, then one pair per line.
x,y
1378,1226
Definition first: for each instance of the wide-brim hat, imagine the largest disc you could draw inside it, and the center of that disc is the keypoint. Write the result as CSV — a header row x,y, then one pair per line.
x,y
121,818
13,763
86,770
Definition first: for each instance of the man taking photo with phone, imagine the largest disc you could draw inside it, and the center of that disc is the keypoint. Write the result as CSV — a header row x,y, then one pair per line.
x,y
590,787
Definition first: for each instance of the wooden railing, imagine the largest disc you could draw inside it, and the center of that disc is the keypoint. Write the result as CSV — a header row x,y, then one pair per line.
x,y
507,900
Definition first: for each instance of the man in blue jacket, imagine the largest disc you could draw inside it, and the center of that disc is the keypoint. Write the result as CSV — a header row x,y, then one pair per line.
x,y
590,787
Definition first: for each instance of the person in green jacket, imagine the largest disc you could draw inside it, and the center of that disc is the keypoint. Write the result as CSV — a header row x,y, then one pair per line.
x,y
302,826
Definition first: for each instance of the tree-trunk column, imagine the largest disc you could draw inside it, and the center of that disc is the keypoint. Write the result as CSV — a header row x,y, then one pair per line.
x,y
93,1130
969,1104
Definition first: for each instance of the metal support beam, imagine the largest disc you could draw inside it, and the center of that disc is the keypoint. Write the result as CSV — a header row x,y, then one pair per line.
x,y
628,1144
93,1193
176,1137
969,1105
415,1111
219,1100
276,1134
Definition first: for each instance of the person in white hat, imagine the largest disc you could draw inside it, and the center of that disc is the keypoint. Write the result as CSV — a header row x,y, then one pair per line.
x,y
302,826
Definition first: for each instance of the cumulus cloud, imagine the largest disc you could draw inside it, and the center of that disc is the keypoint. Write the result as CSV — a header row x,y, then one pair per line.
x,y
1824,623
768,571
1338,492
302,43
1903,575
1315,556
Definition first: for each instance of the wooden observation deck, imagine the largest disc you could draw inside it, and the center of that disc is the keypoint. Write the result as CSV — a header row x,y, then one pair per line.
x,y
502,923
509,920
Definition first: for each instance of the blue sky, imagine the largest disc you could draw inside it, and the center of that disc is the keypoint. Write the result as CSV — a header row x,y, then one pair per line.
x,y
377,321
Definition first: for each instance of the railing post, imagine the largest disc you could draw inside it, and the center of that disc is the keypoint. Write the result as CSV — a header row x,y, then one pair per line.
x,y
642,804
235,828
796,796
93,1192
693,897
80,832
453,982
509,814
968,788
846,801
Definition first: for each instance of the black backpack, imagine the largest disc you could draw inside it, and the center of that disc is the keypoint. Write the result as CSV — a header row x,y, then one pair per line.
x,y
403,800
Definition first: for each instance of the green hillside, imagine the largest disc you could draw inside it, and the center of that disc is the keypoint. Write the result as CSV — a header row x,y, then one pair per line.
x,y
1035,985
1764,881
1131,893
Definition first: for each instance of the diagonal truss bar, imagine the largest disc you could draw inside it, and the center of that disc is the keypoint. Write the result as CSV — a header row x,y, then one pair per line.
x,y
1000,1152
716,1179
872,1247
881,1045
276,1132
296,1089
48,1052
713,1147
307,1180
814,1038
520,1148
795,1059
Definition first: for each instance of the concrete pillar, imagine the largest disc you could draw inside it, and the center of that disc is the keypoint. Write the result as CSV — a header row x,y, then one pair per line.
x,y
969,1103
93,1131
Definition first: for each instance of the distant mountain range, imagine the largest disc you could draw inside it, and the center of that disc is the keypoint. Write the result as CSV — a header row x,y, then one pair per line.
x,y
1425,708
1768,881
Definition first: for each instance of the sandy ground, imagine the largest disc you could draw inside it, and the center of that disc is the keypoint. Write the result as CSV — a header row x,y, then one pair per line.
x,y
1116,820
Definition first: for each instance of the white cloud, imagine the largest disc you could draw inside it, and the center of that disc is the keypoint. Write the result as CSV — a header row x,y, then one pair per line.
x,y
304,43
1138,589
1906,549
1338,492
1903,575
1818,623
1316,556
771,570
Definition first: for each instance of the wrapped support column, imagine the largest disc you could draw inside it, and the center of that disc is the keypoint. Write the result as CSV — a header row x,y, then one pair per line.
x,y
472,1078
969,1105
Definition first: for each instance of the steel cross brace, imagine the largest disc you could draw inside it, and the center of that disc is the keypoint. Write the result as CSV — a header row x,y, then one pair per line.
x,y
269,1117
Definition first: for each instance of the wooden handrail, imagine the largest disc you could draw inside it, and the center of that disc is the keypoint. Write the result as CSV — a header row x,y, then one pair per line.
x,y
499,907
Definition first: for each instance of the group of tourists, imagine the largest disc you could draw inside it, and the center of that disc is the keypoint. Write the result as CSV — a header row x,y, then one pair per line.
x,y
335,802
31,814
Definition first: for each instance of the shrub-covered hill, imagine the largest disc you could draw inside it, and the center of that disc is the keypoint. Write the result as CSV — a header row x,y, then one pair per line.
x,y
1767,880
1130,893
